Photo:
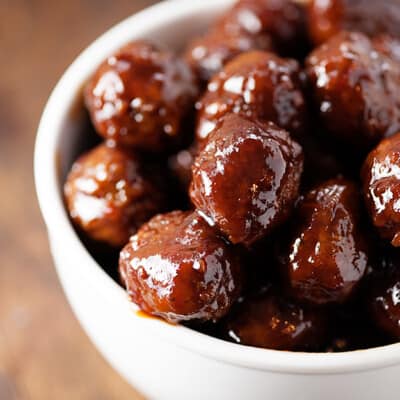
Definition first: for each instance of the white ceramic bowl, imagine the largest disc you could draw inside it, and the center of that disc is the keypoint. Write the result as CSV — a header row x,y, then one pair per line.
x,y
161,360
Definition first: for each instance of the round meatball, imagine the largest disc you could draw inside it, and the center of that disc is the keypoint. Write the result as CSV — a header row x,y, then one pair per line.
x,y
246,179
249,25
283,20
109,194
271,321
328,17
355,88
381,184
140,97
327,252
258,85
177,267
208,54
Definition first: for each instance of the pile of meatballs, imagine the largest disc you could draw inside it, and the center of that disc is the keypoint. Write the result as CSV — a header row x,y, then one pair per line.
x,y
250,185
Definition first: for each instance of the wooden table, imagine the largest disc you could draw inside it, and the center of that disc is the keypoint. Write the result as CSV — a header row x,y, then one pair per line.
x,y
44,354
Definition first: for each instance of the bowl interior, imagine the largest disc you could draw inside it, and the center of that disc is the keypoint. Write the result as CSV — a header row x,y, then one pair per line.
x,y
65,132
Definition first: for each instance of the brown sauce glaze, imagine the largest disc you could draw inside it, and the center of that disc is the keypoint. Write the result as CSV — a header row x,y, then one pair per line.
x,y
140,97
246,179
178,268
257,85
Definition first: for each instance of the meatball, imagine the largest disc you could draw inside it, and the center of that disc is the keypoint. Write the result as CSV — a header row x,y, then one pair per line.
x,y
258,85
327,252
177,267
249,25
109,194
356,89
271,321
328,17
140,97
246,179
208,54
283,20
381,184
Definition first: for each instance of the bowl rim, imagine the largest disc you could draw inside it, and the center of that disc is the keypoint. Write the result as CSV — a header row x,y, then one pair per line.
x,y
58,224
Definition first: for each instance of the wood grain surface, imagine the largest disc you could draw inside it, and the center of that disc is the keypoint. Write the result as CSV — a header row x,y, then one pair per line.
x,y
44,353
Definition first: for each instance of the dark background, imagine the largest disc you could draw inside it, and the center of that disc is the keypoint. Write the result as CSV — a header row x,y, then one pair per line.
x,y
44,354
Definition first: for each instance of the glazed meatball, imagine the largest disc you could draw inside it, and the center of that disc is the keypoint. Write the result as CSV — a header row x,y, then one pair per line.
x,y
249,25
283,20
109,194
356,89
327,252
208,54
246,178
177,267
258,85
140,97
271,321
381,184
328,17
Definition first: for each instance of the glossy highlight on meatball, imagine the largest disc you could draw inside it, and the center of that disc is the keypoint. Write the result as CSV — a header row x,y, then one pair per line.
x,y
257,85
179,268
329,17
327,254
246,179
274,322
381,183
140,97
355,87
109,194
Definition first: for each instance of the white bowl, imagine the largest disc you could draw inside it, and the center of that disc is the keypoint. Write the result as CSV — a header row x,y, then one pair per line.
x,y
161,360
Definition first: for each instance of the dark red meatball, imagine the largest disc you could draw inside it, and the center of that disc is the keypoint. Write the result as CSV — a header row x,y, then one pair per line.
x,y
258,85
381,184
109,194
327,253
283,20
248,25
271,321
356,89
246,178
140,97
328,17
208,54
178,268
